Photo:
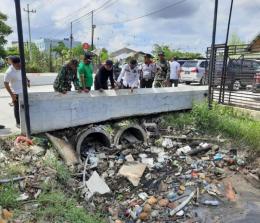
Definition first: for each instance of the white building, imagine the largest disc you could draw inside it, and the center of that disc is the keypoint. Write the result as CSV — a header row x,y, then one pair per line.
x,y
43,44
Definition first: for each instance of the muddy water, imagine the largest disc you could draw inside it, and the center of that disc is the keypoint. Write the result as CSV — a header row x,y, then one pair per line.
x,y
246,209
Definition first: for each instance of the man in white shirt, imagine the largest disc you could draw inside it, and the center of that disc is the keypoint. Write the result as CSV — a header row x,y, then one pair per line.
x,y
129,75
175,70
13,84
147,72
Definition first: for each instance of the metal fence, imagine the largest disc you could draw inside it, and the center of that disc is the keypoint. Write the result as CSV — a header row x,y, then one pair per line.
x,y
233,76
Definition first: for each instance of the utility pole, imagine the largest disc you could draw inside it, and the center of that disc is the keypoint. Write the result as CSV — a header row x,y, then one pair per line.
x,y
92,30
212,54
29,26
50,56
71,38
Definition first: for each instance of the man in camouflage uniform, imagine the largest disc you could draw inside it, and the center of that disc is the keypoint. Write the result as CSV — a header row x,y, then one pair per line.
x,y
67,74
163,72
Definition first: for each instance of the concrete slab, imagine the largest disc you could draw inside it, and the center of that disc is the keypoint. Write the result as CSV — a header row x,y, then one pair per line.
x,y
7,113
52,111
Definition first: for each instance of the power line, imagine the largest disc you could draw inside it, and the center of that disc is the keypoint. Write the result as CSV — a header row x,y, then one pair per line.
x,y
148,14
89,13
105,7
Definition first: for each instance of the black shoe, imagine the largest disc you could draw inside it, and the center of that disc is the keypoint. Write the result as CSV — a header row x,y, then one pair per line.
x,y
18,126
2,126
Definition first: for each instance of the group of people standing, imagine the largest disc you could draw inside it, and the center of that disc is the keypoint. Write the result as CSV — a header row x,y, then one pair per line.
x,y
81,75
158,74
162,73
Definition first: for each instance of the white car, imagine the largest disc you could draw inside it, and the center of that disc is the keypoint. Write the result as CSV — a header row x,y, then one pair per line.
x,y
194,71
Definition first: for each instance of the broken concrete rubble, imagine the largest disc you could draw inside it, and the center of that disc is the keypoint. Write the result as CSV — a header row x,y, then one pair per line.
x,y
65,149
96,184
133,172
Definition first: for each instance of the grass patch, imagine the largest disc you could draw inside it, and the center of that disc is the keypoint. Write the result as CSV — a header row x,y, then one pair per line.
x,y
178,120
8,195
220,119
63,172
229,121
57,207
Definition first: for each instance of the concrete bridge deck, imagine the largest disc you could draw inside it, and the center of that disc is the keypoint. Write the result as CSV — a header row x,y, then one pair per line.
x,y
52,111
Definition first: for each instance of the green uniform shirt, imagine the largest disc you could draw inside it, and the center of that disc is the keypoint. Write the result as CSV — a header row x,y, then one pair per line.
x,y
64,78
87,71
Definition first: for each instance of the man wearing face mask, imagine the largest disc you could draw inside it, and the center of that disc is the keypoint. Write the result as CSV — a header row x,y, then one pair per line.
x,y
101,79
129,75
85,73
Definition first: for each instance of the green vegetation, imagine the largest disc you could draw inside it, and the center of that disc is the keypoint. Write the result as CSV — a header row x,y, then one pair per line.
x,y
5,30
55,206
169,53
220,119
235,39
8,195
63,173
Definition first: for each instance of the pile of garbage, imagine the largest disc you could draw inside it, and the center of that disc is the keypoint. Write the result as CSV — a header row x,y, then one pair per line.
x,y
167,180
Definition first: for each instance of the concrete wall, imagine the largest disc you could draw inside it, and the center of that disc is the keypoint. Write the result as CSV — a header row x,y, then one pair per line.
x,y
53,111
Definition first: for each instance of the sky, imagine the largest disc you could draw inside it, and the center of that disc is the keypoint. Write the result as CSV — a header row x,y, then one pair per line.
x,y
182,24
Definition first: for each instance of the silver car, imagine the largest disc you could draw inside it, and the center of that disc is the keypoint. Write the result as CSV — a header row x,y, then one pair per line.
x,y
194,71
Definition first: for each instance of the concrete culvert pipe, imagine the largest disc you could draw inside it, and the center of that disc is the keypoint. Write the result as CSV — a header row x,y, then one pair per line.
x,y
91,138
130,134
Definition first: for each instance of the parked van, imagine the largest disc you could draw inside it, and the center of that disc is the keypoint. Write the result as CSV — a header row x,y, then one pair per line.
x,y
240,73
194,71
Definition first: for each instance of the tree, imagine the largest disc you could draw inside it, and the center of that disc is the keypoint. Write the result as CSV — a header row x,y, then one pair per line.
x,y
104,54
60,49
5,30
77,51
12,51
169,53
235,40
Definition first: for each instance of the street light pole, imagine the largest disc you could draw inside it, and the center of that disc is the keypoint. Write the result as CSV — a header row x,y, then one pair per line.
x,y
71,37
92,30
25,105
29,27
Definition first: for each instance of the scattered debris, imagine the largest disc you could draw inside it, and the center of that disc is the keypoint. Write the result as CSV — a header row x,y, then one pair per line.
x,y
183,150
3,181
96,184
183,204
183,174
133,172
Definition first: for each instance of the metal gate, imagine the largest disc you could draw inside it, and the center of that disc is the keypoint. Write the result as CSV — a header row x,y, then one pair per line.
x,y
233,77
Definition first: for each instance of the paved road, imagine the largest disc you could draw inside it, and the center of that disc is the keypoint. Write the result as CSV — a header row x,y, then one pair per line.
x,y
6,111
37,79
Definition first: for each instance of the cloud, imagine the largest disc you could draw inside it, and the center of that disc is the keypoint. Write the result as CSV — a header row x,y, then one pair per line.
x,y
186,26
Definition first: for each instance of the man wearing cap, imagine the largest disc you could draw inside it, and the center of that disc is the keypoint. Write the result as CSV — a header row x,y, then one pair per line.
x,y
162,75
67,74
13,84
101,78
147,72
129,75
85,73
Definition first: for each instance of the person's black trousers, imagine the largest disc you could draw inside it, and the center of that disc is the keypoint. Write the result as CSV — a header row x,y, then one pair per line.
x,y
175,82
17,110
146,83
